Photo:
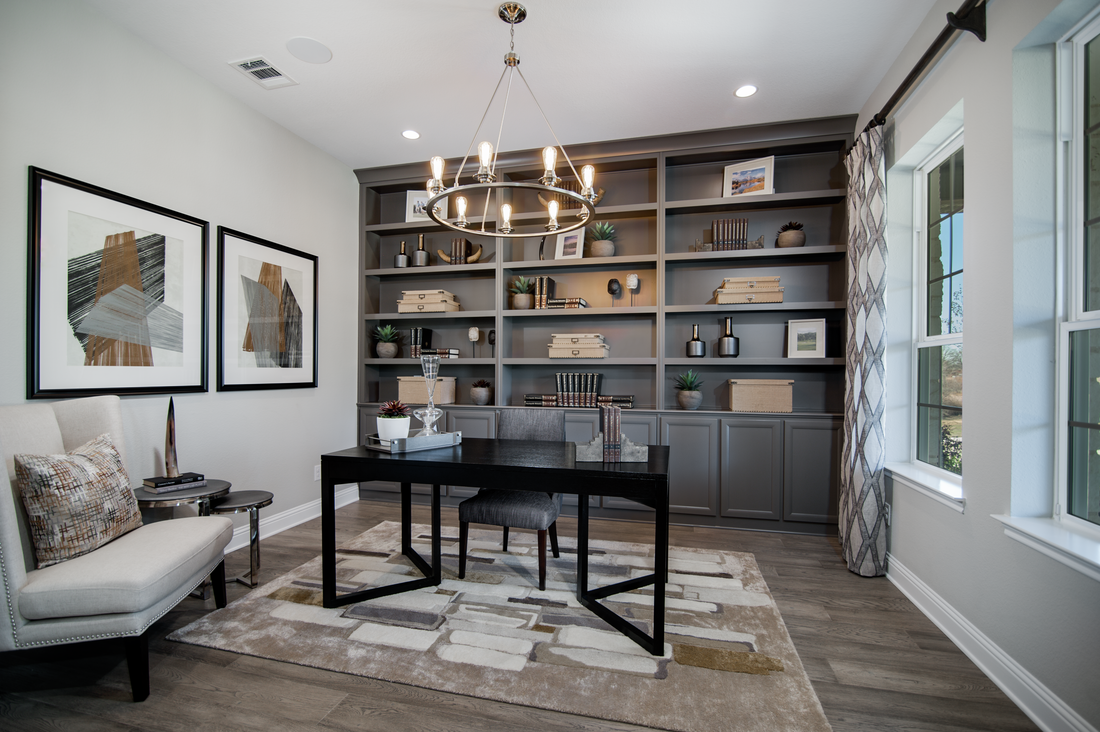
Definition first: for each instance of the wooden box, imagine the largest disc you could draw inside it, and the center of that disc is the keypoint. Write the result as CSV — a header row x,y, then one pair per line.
x,y
427,295
573,339
761,395
580,350
442,306
411,390
726,297
750,283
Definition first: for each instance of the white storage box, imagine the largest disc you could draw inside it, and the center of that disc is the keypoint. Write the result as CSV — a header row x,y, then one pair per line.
x,y
580,350
573,339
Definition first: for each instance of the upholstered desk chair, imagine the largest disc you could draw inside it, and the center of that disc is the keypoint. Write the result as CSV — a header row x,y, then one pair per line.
x,y
520,509
115,591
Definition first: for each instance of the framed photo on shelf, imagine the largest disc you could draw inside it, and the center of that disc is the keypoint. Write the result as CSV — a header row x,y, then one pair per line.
x,y
570,245
749,178
117,293
806,338
416,203
267,314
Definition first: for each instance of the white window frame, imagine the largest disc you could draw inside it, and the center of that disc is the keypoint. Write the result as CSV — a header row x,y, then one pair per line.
x,y
1074,317
944,481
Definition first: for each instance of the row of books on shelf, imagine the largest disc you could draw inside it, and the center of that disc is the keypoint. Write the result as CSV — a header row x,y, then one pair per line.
x,y
569,399
183,481
612,428
732,235
545,300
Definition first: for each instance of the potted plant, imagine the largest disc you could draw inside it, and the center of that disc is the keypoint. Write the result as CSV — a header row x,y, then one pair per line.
x,y
790,235
601,236
388,341
688,394
481,392
522,290
393,420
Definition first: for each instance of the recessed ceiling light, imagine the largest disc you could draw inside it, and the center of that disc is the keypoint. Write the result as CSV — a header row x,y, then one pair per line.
x,y
746,91
411,135
309,50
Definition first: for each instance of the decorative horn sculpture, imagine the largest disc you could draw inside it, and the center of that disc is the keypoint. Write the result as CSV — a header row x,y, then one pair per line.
x,y
469,260
171,469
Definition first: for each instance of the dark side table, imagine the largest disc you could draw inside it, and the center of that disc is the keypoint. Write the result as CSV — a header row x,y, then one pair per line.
x,y
201,496
251,501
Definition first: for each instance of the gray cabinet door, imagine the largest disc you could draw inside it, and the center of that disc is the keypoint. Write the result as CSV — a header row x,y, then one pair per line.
x,y
693,463
471,423
811,469
642,429
752,468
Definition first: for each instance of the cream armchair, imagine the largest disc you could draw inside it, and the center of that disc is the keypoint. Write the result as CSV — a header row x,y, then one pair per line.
x,y
121,588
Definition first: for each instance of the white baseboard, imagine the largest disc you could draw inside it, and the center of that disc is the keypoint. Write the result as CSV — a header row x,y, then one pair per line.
x,y
1038,702
279,522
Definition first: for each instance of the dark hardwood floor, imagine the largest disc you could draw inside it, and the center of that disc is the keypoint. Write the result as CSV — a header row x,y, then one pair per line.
x,y
875,661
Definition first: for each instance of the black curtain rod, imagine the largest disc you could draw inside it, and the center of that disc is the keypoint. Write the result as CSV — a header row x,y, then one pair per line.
x,y
970,17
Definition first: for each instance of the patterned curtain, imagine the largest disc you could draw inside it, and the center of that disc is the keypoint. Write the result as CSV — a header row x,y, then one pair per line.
x,y
862,500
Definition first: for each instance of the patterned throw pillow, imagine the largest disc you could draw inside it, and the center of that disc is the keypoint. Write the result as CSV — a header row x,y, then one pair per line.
x,y
76,502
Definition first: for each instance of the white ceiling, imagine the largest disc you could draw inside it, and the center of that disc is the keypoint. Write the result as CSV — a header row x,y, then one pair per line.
x,y
601,69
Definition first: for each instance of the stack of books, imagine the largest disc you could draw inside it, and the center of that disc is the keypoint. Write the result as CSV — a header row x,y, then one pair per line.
x,y
578,345
441,352
427,301
458,250
544,291
179,483
623,401
565,303
419,338
540,400
611,424
748,290
730,234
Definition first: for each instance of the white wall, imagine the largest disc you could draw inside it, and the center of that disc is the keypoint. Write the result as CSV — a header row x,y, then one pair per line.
x,y
83,97
1030,621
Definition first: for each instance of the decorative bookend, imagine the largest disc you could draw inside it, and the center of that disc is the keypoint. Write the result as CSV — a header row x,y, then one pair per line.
x,y
171,469
611,445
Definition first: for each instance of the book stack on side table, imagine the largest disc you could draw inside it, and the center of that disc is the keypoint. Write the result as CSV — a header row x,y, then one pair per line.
x,y
427,301
179,483
748,289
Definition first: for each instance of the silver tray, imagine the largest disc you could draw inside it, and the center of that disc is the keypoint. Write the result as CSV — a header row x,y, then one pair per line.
x,y
412,444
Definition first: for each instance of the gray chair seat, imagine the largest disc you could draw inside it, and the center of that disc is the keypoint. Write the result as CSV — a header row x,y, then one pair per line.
x,y
517,509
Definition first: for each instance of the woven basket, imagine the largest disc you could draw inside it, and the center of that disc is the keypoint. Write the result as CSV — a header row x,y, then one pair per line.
x,y
761,395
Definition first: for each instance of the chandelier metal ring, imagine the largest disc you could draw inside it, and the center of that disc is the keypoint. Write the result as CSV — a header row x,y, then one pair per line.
x,y
583,215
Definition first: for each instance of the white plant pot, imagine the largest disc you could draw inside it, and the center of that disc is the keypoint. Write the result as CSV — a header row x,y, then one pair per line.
x,y
390,428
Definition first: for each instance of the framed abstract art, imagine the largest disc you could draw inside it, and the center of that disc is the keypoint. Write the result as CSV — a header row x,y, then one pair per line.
x,y
116,293
267,314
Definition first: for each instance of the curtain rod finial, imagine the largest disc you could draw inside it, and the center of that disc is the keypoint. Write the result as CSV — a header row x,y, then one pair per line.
x,y
972,20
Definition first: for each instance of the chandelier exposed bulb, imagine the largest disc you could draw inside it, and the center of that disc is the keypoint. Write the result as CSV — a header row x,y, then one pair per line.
x,y
549,162
506,219
588,177
485,162
460,204
552,207
435,185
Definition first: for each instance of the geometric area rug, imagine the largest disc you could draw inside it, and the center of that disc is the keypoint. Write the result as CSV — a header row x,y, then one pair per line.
x,y
729,663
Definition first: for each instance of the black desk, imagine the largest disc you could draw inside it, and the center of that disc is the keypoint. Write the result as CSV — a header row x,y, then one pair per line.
x,y
515,464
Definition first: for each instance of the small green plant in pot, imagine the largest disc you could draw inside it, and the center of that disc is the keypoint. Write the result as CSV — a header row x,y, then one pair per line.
x,y
393,420
601,236
388,341
481,392
522,290
688,394
790,235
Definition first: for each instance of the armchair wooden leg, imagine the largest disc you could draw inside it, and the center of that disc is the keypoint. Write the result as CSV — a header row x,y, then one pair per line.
x,y
217,579
505,547
542,559
463,537
137,663
554,539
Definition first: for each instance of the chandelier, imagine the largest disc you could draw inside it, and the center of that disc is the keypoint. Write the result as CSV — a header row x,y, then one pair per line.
x,y
486,176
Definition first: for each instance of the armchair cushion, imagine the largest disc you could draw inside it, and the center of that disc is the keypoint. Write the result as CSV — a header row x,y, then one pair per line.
x,y
130,574
77,502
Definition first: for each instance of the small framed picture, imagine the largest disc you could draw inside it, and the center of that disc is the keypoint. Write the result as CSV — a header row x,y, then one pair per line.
x,y
806,338
748,178
570,245
416,206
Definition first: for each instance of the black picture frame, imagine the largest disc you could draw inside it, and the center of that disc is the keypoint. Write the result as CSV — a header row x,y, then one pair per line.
x,y
267,338
116,293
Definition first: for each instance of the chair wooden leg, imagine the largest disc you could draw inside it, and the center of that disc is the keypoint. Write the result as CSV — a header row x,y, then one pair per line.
x,y
463,536
137,663
554,539
217,579
542,559
505,538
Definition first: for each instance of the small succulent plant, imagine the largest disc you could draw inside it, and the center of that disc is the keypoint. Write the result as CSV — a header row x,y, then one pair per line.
x,y
790,226
481,384
689,381
386,334
522,286
393,409
601,231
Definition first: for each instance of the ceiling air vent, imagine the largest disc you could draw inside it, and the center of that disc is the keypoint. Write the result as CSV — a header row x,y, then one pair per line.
x,y
263,73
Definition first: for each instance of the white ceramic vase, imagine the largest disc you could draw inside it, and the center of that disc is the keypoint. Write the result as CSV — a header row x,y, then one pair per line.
x,y
390,428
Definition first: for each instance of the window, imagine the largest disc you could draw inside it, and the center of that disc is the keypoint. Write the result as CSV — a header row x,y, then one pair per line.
x,y
939,405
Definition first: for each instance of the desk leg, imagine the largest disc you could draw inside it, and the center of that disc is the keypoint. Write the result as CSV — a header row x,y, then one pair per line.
x,y
660,572
406,517
437,537
582,547
328,542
